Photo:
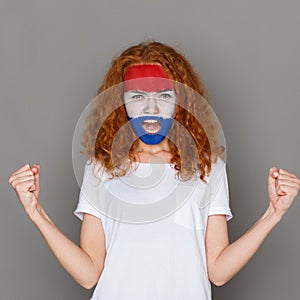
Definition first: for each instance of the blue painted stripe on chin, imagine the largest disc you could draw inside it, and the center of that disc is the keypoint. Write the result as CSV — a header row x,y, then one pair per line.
x,y
147,138
152,139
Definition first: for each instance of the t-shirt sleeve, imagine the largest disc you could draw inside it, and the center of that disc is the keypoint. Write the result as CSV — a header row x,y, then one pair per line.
x,y
87,192
219,202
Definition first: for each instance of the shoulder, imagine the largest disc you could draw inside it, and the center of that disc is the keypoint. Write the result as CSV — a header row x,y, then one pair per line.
x,y
219,166
218,169
95,171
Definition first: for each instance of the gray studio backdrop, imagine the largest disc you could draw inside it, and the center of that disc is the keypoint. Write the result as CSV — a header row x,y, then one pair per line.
x,y
54,55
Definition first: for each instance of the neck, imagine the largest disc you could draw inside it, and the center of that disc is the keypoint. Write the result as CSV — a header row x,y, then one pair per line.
x,y
156,153
153,149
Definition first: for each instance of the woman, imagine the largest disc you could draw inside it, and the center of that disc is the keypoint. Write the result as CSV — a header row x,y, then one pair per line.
x,y
145,251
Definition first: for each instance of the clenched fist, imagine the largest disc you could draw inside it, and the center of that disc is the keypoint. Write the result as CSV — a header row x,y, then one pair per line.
x,y
25,182
283,188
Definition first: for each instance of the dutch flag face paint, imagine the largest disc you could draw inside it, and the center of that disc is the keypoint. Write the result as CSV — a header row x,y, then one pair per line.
x,y
150,100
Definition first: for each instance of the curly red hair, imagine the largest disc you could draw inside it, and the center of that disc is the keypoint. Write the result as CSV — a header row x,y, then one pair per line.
x,y
115,149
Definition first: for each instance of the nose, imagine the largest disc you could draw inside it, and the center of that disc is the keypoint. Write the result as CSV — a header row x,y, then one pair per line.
x,y
151,106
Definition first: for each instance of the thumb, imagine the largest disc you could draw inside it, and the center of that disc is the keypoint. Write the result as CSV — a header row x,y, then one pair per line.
x,y
36,172
35,169
273,174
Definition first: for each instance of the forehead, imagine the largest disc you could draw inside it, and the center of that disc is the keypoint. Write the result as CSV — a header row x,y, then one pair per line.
x,y
147,77
145,70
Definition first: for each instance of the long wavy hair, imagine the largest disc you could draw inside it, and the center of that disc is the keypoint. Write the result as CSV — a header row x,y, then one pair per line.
x,y
108,138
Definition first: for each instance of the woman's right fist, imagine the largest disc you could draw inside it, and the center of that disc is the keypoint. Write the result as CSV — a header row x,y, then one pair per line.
x,y
26,184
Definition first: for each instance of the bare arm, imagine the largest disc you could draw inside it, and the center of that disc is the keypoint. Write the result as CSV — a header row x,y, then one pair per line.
x,y
224,260
85,262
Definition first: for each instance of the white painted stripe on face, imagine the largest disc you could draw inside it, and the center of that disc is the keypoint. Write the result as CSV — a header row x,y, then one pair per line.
x,y
139,103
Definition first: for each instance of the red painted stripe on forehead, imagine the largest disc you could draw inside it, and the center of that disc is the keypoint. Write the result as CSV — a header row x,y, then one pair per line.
x,y
147,77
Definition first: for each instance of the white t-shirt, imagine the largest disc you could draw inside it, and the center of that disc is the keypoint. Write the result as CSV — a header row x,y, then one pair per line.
x,y
159,259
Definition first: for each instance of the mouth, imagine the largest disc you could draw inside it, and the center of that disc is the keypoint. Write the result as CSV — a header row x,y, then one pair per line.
x,y
151,126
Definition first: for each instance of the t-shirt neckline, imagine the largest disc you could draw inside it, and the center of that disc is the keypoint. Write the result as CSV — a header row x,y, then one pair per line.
x,y
151,164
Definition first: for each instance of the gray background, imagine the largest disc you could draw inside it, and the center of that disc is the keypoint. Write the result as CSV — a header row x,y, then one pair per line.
x,y
53,57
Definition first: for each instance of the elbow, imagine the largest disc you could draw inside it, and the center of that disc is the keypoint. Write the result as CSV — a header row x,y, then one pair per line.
x,y
88,285
90,282
217,280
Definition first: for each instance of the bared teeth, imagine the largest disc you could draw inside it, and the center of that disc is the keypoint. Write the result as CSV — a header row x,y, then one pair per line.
x,y
150,121
151,126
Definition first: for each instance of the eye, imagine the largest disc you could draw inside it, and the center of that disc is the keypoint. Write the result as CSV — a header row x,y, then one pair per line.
x,y
137,97
165,95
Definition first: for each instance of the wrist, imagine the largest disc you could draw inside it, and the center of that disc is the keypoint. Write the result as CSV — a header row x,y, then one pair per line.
x,y
39,215
272,215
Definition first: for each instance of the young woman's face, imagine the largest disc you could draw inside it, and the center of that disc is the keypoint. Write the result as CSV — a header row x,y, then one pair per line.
x,y
150,101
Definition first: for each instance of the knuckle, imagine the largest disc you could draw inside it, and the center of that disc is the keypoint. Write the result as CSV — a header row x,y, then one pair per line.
x,y
23,168
19,187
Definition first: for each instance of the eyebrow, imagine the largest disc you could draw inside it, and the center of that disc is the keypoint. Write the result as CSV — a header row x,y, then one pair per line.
x,y
142,92
166,90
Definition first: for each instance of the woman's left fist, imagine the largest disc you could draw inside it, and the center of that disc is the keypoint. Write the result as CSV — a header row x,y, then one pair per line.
x,y
283,188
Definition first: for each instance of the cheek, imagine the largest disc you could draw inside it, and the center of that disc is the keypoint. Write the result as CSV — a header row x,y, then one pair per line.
x,y
133,109
137,109
172,109
167,109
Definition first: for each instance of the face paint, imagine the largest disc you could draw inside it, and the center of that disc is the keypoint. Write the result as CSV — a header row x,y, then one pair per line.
x,y
150,100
